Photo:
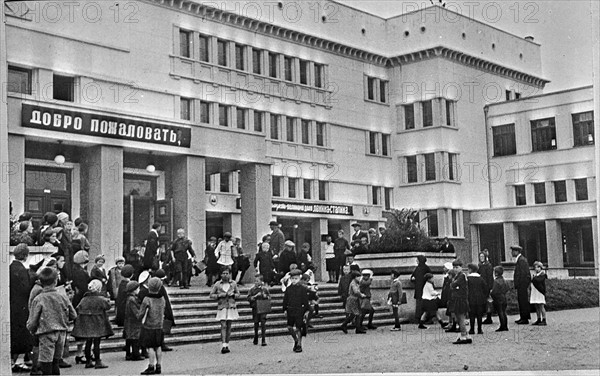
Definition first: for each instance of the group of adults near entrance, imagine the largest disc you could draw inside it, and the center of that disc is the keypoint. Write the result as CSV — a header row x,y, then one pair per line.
x,y
137,284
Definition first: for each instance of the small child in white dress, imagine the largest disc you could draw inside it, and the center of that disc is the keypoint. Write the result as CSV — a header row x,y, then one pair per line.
x,y
538,292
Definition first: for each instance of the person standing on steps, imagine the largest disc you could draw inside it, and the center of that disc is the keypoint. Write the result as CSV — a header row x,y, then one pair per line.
x,y
225,291
277,238
353,311
340,246
179,252
521,281
152,244
486,270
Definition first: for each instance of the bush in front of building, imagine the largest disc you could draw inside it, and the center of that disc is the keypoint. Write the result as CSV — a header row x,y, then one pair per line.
x,y
403,234
562,294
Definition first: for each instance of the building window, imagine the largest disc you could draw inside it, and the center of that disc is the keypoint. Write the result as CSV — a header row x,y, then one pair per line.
x,y
185,105
388,198
184,43
371,88
560,191
520,198
539,190
274,127
429,167
372,143
223,115
224,183
517,95
307,189
411,169
276,181
272,65
504,140
409,116
385,144
204,50
241,118
64,88
583,128
581,189
305,132
207,183
320,134
507,94
304,72
19,80
204,112
256,61
427,108
292,187
258,121
289,129
432,223
455,222
222,52
543,134
288,67
240,57
319,73
449,109
375,193
322,190
452,166
383,91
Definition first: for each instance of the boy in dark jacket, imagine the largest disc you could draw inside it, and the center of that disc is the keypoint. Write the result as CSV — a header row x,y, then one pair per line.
x,y
132,324
49,320
478,294
499,298
295,304
121,300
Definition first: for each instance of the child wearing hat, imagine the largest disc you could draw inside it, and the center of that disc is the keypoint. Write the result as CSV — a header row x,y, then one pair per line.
x,y
151,314
114,277
132,324
121,299
92,322
225,291
460,303
99,273
295,304
365,303
353,311
478,294
498,294
344,284
395,296
259,291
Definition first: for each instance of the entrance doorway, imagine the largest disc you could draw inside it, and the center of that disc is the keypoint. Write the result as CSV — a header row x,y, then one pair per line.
x,y
47,189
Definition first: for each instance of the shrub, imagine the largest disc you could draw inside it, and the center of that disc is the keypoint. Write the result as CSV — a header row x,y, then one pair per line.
x,y
403,234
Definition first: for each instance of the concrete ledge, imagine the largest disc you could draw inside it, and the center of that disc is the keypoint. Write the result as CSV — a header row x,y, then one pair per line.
x,y
36,254
405,262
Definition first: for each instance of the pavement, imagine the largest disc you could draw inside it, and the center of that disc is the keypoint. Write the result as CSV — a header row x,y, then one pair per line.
x,y
569,345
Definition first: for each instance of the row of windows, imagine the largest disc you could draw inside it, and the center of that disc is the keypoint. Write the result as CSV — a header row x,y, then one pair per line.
x,y
381,195
20,81
543,134
431,167
376,89
296,129
246,58
378,143
442,222
300,188
434,112
560,192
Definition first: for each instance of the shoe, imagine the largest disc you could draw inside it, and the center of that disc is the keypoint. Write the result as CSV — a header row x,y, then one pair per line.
x,y
295,347
79,360
472,331
89,364
460,342
344,329
371,326
255,341
182,288
158,369
469,340
487,321
264,343
522,322
394,329
148,371
421,326
63,364
360,331
165,348
452,330
443,324
36,372
298,349
21,367
137,358
100,365
543,323
227,350
502,330
127,357
480,331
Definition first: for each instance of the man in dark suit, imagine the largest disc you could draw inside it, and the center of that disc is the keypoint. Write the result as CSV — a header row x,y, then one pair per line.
x,y
277,238
151,247
358,234
521,279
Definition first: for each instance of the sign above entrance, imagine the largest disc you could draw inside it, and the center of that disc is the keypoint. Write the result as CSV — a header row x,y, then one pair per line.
x,y
298,207
90,124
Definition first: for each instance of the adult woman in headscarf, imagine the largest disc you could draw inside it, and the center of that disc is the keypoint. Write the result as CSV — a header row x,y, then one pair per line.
x,y
418,278
486,270
21,341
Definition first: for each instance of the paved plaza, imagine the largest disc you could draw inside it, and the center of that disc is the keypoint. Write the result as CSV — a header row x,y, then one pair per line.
x,y
570,341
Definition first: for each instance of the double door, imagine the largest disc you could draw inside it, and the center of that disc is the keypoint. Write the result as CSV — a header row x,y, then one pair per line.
x,y
46,190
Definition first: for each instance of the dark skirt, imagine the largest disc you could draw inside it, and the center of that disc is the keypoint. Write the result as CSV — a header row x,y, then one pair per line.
x,y
460,306
477,309
430,305
152,338
330,265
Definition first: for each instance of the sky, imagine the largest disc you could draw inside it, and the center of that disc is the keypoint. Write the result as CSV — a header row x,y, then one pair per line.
x,y
562,27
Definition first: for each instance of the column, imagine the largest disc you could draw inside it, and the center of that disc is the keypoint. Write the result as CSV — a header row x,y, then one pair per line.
x,y
318,229
102,200
595,238
14,172
189,203
233,223
554,243
256,206
511,237
475,245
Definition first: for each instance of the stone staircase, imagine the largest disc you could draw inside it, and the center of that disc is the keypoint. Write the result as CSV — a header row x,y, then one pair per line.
x,y
195,312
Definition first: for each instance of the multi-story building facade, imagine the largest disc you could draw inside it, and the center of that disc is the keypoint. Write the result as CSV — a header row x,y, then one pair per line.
x,y
220,117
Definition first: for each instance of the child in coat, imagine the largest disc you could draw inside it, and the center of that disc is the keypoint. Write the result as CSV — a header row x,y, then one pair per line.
x,y
394,296
295,304
259,291
132,324
49,320
226,292
498,295
365,303
121,299
538,293
99,273
353,311
344,284
459,301
114,277
92,322
478,294
151,315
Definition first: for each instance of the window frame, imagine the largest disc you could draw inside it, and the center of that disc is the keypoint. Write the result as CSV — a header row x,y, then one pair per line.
x,y
274,123
261,119
581,189
244,121
187,42
321,134
276,183
71,94
520,195
412,171
307,188
273,61
407,113
373,146
388,198
205,115
504,141
288,68
27,72
240,60
290,129
257,63
427,116
323,190
539,193
432,214
371,88
222,58
430,166
319,79
204,53
305,131
580,126
560,191
383,94
224,115
186,104
304,71
385,144
539,133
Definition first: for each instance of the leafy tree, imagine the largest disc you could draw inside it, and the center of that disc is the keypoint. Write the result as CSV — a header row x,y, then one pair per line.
x,y
403,234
